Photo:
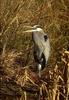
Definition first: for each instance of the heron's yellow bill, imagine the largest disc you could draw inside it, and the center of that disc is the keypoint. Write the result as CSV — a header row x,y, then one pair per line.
x,y
29,31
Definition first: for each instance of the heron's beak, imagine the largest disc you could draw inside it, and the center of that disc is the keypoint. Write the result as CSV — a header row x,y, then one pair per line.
x,y
32,30
27,27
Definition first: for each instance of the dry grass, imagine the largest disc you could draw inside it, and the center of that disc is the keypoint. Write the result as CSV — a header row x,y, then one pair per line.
x,y
16,50
22,83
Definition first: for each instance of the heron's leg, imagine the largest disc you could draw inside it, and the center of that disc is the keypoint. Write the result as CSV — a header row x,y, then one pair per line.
x,y
39,69
43,61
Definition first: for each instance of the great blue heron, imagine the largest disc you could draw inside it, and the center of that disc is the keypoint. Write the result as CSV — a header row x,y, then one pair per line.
x,y
41,50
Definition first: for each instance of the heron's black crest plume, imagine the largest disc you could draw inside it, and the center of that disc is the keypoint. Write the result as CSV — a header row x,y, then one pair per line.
x,y
36,26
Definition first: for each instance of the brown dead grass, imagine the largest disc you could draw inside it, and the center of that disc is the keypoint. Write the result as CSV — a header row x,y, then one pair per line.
x,y
16,46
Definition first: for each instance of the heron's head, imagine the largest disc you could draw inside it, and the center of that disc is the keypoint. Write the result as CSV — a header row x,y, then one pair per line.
x,y
35,28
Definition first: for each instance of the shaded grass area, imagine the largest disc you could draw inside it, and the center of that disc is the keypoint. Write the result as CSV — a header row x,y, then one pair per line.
x,y
22,83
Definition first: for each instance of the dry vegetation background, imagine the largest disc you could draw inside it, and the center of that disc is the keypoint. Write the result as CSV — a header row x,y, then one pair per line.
x,y
18,78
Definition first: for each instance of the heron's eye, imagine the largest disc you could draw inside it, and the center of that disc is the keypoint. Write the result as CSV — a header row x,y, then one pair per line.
x,y
45,37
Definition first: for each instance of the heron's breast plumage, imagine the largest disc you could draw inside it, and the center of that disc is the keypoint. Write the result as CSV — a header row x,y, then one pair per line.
x,y
43,45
